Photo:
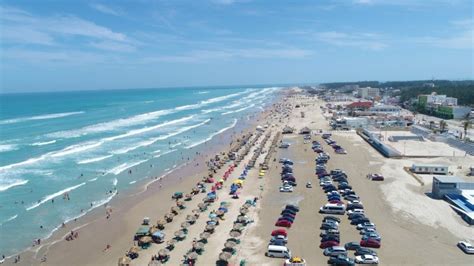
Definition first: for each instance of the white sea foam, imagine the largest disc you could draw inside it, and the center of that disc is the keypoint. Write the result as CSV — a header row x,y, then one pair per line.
x,y
77,148
9,183
96,159
203,92
112,125
151,128
164,153
212,135
238,110
43,143
38,117
175,145
132,182
93,179
54,195
157,151
115,182
11,218
120,168
81,147
8,147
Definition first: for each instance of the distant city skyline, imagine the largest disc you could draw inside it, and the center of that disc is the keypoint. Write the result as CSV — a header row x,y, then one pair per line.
x,y
85,45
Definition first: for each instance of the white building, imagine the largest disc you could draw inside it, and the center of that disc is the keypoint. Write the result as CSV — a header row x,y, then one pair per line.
x,y
385,109
435,99
368,92
429,169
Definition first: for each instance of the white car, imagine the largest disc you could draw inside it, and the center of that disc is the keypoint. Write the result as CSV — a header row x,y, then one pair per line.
x,y
367,259
286,188
466,247
365,225
325,183
355,202
361,211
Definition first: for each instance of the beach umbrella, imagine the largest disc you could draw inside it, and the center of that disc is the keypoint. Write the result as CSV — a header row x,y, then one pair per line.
x,y
238,227
241,218
247,205
161,222
174,210
164,252
185,225
210,227
180,234
146,239
225,256
244,210
237,241
235,233
152,230
198,245
171,242
191,219
124,261
202,205
230,244
134,249
230,250
220,212
179,203
204,235
212,215
192,256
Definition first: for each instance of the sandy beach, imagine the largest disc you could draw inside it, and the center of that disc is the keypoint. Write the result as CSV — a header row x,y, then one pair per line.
x,y
413,235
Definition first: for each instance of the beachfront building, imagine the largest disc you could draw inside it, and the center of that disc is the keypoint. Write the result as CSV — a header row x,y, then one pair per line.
x,y
429,169
385,109
287,130
358,106
442,106
459,193
368,92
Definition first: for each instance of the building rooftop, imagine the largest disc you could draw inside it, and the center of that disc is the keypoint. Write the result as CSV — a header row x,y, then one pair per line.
x,y
448,179
429,165
360,105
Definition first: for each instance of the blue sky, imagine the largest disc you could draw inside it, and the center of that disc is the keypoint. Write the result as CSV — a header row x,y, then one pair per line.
x,y
80,45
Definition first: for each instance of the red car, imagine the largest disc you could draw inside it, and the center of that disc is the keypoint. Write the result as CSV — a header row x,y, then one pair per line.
x,y
328,244
336,202
283,223
279,231
370,243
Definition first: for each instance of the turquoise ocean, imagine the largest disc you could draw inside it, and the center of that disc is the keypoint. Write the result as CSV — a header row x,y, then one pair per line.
x,y
89,145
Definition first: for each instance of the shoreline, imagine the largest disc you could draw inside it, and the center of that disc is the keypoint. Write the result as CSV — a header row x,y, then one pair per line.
x,y
146,188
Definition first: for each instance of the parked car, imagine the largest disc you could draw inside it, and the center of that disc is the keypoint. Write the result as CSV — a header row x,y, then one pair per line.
x,y
331,238
372,235
341,260
327,226
365,251
365,225
292,207
360,220
279,238
329,232
367,259
286,188
375,177
370,243
332,218
367,230
354,206
355,211
466,247
309,185
335,251
328,244
279,232
283,223
352,246
277,242
286,218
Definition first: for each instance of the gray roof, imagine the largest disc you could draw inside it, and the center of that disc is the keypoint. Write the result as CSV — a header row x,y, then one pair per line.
x,y
449,179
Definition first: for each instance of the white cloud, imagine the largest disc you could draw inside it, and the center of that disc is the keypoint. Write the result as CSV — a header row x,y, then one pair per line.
x,y
45,57
363,2
223,54
107,9
113,46
370,41
21,27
